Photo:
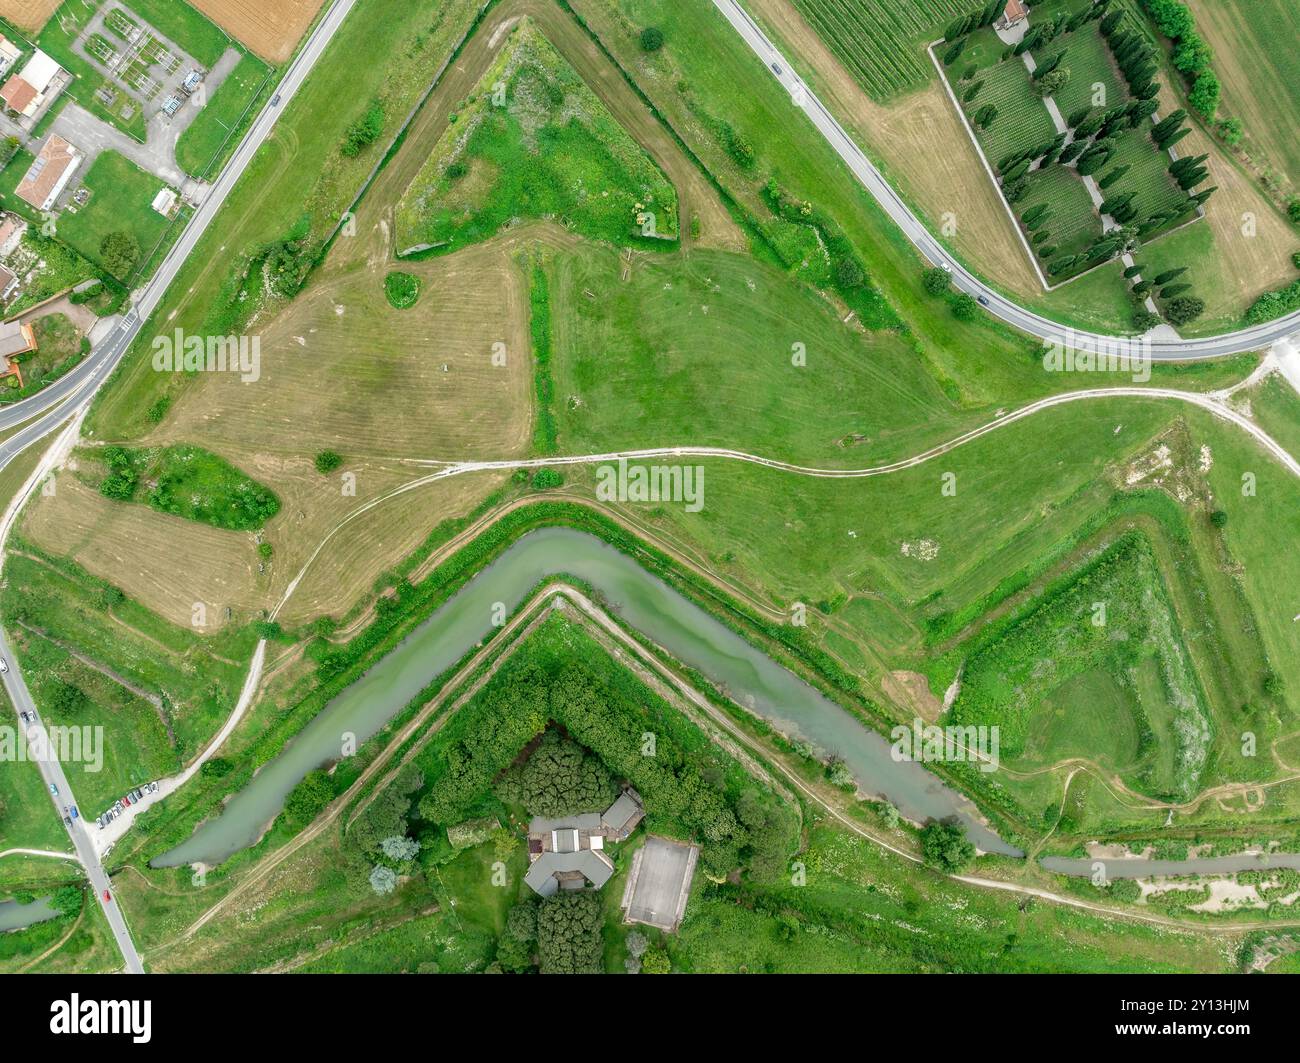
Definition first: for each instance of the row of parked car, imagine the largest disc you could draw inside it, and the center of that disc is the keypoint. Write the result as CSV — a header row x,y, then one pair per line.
x,y
138,794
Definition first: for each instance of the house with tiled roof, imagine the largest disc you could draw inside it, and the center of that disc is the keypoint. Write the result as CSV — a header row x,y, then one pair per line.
x,y
26,91
49,174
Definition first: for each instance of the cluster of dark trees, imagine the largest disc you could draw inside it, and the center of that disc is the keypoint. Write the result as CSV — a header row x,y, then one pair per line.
x,y
734,829
1192,56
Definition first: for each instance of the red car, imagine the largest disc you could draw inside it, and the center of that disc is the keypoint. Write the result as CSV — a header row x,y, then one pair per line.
x,y
107,896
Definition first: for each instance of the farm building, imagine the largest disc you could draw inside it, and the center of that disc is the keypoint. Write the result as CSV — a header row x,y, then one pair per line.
x,y
1015,13
567,853
49,174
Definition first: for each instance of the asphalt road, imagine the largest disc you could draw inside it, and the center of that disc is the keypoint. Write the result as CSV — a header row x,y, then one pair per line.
x,y
802,97
82,381
61,400
52,773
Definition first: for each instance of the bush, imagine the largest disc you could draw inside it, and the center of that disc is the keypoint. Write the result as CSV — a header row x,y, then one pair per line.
x,y
964,307
1205,94
545,479
652,39
1219,518
327,461
364,131
402,289
936,280
1184,309
119,252
945,846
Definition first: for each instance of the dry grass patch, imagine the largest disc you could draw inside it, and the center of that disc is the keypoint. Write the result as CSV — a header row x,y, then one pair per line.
x,y
166,563
365,548
272,30
343,370
29,15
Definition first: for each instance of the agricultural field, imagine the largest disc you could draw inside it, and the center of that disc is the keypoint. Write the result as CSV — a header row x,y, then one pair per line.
x,y
1100,577
1252,48
535,142
882,43
270,30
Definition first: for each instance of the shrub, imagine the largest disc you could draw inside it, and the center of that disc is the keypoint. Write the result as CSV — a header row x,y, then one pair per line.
x,y
1219,518
936,280
964,307
1205,94
545,479
402,289
652,39
119,252
945,846
364,131
327,461
1184,309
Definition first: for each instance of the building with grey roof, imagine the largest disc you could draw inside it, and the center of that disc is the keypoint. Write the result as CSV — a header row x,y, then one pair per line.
x,y
567,853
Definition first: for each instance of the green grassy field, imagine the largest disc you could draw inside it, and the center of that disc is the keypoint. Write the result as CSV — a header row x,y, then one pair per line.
x,y
135,746
703,348
198,678
121,198
535,141
1063,647
213,135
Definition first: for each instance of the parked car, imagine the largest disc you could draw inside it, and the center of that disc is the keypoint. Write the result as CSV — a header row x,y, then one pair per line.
x,y
54,790
67,821
74,811
4,665
107,896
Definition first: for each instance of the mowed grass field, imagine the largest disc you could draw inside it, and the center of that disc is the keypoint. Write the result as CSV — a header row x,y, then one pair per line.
x,y
883,43
212,136
1257,62
701,349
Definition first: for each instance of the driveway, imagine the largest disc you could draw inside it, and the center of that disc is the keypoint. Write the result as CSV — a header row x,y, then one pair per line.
x,y
158,154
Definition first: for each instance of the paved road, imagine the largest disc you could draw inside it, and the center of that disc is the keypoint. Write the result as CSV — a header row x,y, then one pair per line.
x,y
1248,339
52,773
81,383
63,399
